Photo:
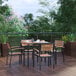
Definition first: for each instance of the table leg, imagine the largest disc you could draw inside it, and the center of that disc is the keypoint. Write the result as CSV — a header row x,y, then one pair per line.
x,y
28,58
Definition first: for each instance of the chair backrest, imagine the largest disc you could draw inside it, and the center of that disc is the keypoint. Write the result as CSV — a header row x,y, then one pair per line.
x,y
8,45
59,43
46,47
25,42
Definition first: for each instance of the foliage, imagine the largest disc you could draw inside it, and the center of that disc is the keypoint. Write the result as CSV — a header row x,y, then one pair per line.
x,y
40,25
49,13
16,25
3,39
45,6
3,28
44,3
69,37
66,16
65,38
5,10
1,1
72,37
28,18
3,24
9,23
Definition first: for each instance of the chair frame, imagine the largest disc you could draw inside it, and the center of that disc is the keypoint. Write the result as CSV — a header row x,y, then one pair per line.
x,y
58,44
38,52
27,49
14,51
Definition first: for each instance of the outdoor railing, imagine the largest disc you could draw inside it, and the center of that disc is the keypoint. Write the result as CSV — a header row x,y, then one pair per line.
x,y
15,38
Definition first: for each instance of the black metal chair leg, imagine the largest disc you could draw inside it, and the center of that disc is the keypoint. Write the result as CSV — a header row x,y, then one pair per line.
x,y
10,60
7,60
50,60
40,60
37,59
53,63
63,55
33,60
55,57
28,59
24,59
45,60
20,59
32,55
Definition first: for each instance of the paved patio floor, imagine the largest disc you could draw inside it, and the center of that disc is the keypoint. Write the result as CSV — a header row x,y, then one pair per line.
x,y
61,69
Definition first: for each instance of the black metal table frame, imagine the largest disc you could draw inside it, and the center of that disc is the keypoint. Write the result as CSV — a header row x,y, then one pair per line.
x,y
28,47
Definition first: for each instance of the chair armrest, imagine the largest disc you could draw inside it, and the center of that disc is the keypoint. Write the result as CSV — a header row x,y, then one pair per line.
x,y
36,50
15,47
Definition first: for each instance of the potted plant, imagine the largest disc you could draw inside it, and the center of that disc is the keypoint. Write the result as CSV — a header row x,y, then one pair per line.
x,y
3,37
70,45
4,48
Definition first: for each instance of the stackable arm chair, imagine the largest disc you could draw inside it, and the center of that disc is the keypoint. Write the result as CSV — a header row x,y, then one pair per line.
x,y
14,51
44,51
59,44
27,44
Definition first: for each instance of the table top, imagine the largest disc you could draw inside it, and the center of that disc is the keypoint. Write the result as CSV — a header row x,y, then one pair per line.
x,y
34,42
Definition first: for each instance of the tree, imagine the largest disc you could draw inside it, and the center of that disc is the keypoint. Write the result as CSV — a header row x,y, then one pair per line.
x,y
16,25
49,13
2,1
65,18
8,23
5,10
41,24
28,18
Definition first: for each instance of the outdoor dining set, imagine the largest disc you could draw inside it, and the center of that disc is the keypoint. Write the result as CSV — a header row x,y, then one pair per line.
x,y
39,50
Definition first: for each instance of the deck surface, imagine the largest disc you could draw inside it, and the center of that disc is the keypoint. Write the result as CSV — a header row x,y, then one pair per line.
x,y
61,69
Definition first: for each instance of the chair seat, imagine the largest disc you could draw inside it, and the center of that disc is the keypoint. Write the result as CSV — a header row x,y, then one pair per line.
x,y
17,49
15,53
59,46
28,50
44,55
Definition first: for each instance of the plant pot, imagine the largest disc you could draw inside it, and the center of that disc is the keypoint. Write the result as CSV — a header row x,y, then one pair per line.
x,y
70,49
0,49
4,50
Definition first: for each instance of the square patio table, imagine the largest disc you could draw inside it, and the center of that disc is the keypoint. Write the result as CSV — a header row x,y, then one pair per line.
x,y
31,45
